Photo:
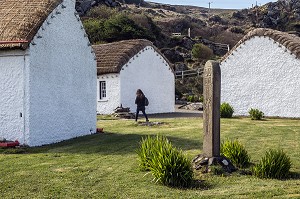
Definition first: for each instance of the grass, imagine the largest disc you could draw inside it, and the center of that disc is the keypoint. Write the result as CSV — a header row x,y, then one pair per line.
x,y
106,166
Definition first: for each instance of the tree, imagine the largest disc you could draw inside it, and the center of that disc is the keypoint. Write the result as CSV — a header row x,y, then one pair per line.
x,y
201,51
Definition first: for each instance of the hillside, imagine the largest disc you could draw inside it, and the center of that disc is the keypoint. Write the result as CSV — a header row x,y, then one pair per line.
x,y
167,26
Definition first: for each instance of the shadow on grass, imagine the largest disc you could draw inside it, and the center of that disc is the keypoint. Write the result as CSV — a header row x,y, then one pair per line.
x,y
196,185
201,185
106,144
294,176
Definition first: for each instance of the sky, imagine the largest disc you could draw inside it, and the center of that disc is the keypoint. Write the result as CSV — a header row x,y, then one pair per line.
x,y
225,4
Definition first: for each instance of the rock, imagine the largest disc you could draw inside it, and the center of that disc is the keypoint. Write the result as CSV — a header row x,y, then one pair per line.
x,y
203,163
199,161
238,15
213,161
123,112
187,43
150,123
193,106
172,55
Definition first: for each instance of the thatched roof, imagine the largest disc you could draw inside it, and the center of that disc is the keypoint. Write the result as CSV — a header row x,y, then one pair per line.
x,y
290,41
112,57
21,19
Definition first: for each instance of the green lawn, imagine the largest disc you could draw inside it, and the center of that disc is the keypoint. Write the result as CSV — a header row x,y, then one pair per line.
x,y
105,165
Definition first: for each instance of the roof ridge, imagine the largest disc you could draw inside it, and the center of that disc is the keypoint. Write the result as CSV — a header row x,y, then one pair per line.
x,y
21,20
291,42
116,54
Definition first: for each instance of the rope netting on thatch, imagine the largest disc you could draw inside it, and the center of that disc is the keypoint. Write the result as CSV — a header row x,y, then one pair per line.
x,y
21,19
111,57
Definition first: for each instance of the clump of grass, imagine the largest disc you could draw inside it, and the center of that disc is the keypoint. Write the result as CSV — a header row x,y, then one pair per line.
x,y
226,111
275,164
167,164
256,114
146,151
236,153
217,169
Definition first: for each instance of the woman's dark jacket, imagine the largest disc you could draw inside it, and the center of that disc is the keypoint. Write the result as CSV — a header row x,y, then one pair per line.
x,y
140,101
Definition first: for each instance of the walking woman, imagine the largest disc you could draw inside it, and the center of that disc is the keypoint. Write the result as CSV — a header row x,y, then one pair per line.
x,y
140,103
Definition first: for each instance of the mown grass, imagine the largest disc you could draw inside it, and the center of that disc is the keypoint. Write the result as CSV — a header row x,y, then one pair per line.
x,y
106,166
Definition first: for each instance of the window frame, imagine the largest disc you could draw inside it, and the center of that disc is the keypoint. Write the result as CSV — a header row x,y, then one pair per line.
x,y
102,90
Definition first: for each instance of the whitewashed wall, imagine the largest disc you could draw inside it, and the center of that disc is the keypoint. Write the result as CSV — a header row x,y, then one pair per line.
x,y
261,74
62,76
12,64
112,100
148,71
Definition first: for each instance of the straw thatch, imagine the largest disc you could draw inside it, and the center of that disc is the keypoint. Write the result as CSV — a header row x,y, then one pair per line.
x,y
112,57
291,42
21,19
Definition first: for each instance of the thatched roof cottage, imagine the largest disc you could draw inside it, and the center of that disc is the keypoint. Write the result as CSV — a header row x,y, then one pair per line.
x,y
47,73
263,71
125,66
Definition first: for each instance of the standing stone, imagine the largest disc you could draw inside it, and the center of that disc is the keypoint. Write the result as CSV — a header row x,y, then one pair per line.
x,y
211,109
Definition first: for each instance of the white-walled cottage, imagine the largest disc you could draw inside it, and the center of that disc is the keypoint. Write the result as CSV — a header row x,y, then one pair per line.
x,y
47,73
263,71
125,66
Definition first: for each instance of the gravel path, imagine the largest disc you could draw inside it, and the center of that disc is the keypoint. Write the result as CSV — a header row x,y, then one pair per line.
x,y
177,114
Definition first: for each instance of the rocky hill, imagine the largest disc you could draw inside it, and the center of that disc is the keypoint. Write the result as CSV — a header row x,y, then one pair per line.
x,y
176,29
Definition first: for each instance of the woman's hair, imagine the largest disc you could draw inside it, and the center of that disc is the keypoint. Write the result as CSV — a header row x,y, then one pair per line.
x,y
139,91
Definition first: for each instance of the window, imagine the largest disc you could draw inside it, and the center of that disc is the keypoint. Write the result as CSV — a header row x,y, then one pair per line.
x,y
102,86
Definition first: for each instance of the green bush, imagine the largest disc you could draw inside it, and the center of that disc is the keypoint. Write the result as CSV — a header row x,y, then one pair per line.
x,y
200,51
236,153
226,110
118,27
167,164
147,150
275,164
101,12
201,98
256,114
191,98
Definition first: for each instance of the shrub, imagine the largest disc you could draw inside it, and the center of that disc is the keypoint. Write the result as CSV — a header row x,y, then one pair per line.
x,y
200,51
275,164
191,98
146,150
256,114
237,30
201,98
117,27
167,164
101,12
226,110
171,167
236,153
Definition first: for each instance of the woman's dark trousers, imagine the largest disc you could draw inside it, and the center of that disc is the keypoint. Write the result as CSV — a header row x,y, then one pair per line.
x,y
138,109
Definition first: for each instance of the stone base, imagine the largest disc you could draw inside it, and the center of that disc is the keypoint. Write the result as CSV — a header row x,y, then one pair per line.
x,y
206,164
150,123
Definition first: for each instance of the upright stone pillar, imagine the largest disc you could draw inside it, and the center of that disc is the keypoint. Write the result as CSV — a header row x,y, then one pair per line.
x,y
211,109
